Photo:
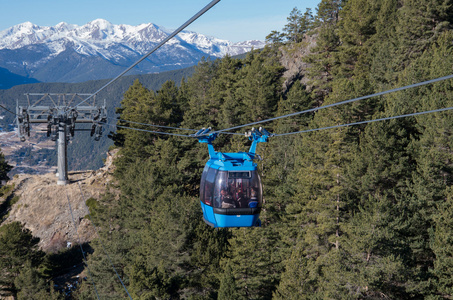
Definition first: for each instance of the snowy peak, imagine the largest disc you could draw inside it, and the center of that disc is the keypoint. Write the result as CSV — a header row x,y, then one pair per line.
x,y
101,24
100,42
19,35
98,29
101,33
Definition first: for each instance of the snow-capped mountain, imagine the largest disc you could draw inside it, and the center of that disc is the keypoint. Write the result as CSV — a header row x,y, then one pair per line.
x,y
100,49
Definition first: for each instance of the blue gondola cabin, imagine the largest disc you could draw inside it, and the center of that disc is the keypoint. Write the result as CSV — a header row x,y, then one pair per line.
x,y
231,194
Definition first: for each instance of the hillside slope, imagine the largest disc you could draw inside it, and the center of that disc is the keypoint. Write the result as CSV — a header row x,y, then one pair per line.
x,y
43,205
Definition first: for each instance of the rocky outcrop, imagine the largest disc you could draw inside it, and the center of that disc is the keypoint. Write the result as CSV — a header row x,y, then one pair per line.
x,y
50,210
293,61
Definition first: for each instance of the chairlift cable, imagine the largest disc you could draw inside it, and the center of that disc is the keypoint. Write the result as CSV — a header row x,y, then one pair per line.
x,y
369,121
11,112
167,127
162,132
340,103
152,125
144,130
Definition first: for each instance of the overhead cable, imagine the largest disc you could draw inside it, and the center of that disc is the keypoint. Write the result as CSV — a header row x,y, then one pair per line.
x,y
160,132
11,112
369,121
151,131
181,28
144,130
151,125
340,103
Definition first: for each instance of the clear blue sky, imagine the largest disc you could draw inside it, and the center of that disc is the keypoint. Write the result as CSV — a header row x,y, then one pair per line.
x,y
234,20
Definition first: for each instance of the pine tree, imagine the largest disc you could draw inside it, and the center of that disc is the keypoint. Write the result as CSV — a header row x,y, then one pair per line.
x,y
260,85
380,229
4,167
328,12
356,30
316,215
17,246
31,285
322,60
202,111
418,23
432,151
224,91
275,38
371,251
280,153
131,109
143,106
228,288
166,109
255,261
209,246
295,282
441,244
383,48
298,24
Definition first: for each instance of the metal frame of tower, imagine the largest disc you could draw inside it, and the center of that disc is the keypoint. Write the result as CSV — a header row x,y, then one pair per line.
x,y
54,109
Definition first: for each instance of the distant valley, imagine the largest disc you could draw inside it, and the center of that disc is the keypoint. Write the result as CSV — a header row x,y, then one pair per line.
x,y
38,154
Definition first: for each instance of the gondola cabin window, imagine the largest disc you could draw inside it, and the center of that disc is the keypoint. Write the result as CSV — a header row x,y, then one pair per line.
x,y
208,179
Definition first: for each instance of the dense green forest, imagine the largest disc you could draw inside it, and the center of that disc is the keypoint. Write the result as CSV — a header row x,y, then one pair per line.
x,y
359,212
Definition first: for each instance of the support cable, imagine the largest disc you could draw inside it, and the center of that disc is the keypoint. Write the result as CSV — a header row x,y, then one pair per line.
x,y
151,125
340,103
11,112
181,28
100,240
161,132
232,133
150,131
144,130
369,121
80,244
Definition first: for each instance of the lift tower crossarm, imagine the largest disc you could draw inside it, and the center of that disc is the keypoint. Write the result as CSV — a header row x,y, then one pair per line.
x,y
61,121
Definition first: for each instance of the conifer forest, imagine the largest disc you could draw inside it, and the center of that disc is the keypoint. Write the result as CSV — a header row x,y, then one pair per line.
x,y
353,212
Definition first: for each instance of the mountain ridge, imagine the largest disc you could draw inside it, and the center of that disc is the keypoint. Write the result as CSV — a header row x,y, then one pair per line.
x,y
77,51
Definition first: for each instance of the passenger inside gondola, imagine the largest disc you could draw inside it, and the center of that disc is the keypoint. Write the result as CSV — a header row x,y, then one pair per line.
x,y
226,199
231,189
253,198
241,200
